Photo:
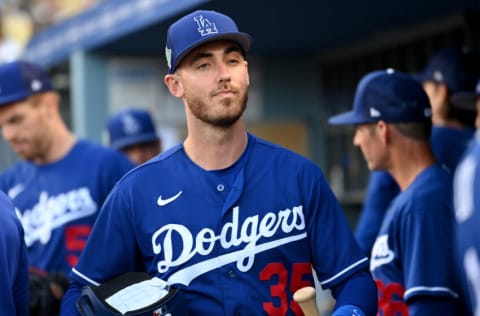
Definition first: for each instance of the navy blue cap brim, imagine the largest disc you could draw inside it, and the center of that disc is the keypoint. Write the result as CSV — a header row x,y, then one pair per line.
x,y
419,77
243,39
10,98
134,140
348,118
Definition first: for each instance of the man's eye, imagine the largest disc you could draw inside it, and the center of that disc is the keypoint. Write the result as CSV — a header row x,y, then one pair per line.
x,y
202,66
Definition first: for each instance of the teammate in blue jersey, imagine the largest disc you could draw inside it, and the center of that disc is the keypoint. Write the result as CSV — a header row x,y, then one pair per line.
x,y
236,222
61,182
448,72
132,132
414,275
467,208
14,291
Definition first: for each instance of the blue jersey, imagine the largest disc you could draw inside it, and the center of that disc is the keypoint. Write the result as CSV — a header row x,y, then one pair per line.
x,y
449,144
381,190
59,202
413,253
467,211
239,240
14,288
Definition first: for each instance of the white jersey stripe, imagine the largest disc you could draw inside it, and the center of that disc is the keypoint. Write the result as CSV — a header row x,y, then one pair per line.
x,y
431,289
350,267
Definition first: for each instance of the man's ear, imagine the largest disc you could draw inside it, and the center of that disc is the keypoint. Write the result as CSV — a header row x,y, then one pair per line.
x,y
174,85
50,102
384,132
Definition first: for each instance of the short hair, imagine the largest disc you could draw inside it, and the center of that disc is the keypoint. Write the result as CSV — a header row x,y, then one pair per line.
x,y
419,131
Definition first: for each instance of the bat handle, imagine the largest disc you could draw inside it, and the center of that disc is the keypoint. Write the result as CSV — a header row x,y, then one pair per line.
x,y
307,299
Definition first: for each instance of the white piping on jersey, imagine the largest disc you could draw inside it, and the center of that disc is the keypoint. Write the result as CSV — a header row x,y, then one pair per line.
x,y
432,289
83,276
350,267
185,276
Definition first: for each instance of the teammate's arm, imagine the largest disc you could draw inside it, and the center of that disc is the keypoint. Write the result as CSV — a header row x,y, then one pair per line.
x,y
69,306
359,290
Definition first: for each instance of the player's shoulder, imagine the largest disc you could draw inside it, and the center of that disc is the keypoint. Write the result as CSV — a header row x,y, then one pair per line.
x,y
88,147
18,171
431,191
91,152
158,165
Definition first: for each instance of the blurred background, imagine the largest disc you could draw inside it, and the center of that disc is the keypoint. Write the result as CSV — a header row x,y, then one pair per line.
x,y
305,63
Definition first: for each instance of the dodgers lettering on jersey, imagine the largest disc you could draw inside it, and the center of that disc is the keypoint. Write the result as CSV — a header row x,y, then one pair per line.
x,y
231,235
59,202
403,262
255,230
52,212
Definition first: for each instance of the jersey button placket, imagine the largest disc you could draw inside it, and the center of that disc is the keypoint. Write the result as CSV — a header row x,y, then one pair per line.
x,y
220,188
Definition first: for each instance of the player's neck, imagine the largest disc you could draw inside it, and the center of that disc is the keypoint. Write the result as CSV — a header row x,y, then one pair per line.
x,y
214,149
408,164
60,145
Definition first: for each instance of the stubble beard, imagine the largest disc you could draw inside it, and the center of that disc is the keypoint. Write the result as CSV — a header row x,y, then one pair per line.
x,y
200,110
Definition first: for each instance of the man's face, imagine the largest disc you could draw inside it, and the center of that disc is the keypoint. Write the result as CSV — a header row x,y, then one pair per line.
x,y
367,137
24,127
140,153
214,82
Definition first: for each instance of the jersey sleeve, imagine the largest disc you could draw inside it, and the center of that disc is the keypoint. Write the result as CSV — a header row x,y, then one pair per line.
x,y
111,246
426,240
336,254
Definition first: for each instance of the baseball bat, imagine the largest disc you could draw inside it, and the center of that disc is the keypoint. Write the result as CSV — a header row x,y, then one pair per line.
x,y
307,299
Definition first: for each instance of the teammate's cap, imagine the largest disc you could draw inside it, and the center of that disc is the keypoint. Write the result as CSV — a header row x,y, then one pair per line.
x,y
457,68
467,99
21,79
129,127
389,96
198,28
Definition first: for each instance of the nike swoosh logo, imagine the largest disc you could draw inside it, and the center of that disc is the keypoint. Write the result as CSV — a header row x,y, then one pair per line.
x,y
162,202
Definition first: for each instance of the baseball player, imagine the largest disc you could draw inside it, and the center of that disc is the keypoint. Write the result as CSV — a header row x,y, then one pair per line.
x,y
412,257
14,262
133,132
448,72
61,182
236,222
467,208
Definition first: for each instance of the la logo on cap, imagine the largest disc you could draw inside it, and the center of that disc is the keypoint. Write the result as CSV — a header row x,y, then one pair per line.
x,y
36,85
374,112
130,125
205,27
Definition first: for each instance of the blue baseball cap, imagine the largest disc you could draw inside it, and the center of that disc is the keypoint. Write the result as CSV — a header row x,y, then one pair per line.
x,y
467,99
457,68
21,79
198,28
387,95
130,127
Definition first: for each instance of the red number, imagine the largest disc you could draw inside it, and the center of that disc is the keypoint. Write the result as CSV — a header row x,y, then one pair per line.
x,y
390,301
297,282
75,239
279,290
